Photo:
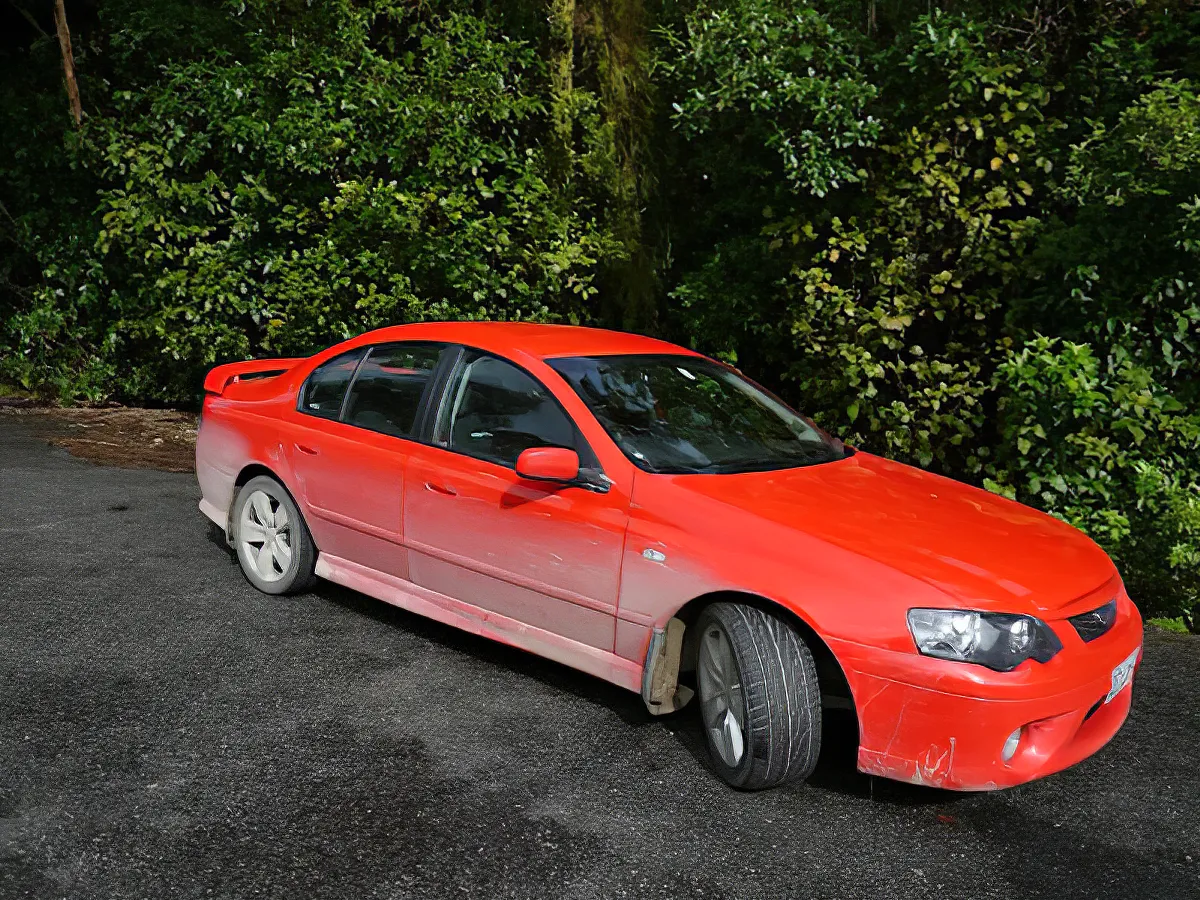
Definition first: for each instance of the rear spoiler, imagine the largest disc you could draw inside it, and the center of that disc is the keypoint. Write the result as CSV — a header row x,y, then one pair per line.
x,y
218,379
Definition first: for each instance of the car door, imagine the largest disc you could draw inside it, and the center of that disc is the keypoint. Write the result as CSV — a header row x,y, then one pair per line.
x,y
348,441
547,555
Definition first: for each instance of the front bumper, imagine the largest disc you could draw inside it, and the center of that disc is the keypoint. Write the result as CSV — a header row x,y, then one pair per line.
x,y
944,724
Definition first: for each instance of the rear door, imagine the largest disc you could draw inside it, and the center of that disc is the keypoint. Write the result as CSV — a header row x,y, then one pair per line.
x,y
543,554
348,441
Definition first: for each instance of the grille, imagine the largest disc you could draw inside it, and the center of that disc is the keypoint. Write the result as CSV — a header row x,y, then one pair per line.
x,y
1090,625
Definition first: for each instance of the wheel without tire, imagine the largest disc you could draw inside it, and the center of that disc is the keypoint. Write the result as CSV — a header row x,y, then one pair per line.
x,y
759,698
273,545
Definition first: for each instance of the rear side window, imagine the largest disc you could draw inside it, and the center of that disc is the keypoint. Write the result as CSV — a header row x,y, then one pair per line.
x,y
326,386
386,394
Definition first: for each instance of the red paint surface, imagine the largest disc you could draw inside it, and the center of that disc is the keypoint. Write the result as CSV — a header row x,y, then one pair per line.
x,y
848,546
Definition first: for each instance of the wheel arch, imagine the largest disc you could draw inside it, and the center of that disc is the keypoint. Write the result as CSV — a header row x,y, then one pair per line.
x,y
835,687
251,471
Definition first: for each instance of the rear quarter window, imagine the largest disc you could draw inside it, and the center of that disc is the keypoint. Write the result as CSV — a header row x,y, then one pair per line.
x,y
325,388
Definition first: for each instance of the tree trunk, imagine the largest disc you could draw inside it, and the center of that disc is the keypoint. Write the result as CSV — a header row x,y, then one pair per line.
x,y
562,67
619,36
64,43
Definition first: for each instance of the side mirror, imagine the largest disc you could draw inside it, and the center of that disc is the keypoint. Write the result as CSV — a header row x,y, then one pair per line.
x,y
548,464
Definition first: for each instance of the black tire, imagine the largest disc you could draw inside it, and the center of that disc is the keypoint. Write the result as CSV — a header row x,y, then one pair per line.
x,y
297,575
779,695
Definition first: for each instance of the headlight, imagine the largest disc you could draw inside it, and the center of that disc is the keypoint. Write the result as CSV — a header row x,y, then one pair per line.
x,y
999,641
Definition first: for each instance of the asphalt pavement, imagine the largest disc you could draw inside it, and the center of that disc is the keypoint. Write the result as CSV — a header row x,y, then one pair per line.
x,y
167,731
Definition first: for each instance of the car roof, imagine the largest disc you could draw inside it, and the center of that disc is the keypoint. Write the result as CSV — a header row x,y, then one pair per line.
x,y
541,341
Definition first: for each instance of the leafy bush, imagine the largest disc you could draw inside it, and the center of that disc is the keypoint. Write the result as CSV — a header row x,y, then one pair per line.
x,y
1120,405
356,166
1104,446
889,301
780,73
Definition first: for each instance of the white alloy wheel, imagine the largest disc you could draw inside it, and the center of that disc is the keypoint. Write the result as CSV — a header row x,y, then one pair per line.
x,y
273,544
264,536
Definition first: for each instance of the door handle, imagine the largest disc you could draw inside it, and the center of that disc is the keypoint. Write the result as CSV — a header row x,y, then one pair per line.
x,y
441,489
311,451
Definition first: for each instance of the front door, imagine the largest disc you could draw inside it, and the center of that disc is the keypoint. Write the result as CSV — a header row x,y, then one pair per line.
x,y
543,554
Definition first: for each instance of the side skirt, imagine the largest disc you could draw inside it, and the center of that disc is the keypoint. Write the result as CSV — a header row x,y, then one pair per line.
x,y
432,605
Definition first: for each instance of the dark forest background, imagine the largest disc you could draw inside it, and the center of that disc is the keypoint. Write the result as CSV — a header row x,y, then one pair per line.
x,y
963,233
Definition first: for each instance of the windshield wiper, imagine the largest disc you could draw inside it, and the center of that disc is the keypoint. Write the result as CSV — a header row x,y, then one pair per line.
x,y
767,465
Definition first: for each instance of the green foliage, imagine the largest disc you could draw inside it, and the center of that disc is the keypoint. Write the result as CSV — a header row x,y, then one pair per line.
x,y
1141,284
356,166
767,67
1104,446
1178,625
1123,400
888,315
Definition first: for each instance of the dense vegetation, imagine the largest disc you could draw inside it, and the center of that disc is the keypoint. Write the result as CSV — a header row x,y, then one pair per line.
x,y
964,233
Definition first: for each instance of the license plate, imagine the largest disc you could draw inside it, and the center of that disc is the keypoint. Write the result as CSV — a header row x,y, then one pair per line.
x,y
1122,674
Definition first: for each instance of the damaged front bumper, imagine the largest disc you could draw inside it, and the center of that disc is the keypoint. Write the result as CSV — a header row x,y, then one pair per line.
x,y
962,727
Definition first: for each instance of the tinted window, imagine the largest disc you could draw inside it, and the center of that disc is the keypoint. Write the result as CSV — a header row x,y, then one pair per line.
x,y
685,414
391,381
326,386
497,411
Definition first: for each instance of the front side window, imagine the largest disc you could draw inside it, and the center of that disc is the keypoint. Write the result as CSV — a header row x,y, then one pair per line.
x,y
497,411
386,394
326,386
683,414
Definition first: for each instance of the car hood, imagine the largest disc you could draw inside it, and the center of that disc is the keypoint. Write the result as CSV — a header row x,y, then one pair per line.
x,y
978,548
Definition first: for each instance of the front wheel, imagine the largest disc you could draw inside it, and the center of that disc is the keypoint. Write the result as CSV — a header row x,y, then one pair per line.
x,y
759,698
274,547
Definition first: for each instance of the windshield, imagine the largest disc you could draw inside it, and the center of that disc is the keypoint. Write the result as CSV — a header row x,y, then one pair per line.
x,y
688,414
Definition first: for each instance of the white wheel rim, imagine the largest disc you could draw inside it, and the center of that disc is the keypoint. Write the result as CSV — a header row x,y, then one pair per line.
x,y
264,536
721,704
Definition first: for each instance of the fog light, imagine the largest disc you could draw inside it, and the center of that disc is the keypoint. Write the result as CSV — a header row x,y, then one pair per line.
x,y
1010,746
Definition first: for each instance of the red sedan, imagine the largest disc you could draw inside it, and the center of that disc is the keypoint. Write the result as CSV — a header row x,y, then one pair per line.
x,y
647,515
